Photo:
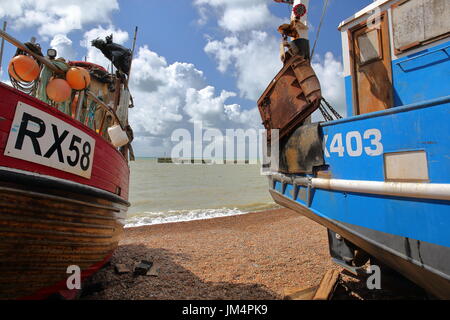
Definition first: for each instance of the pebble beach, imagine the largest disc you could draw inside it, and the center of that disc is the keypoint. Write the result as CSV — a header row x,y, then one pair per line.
x,y
252,256
256,256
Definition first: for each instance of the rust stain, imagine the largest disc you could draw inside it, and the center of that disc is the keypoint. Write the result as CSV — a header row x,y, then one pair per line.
x,y
325,174
372,78
291,97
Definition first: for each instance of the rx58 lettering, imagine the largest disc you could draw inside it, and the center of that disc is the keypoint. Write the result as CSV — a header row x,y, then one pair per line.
x,y
80,152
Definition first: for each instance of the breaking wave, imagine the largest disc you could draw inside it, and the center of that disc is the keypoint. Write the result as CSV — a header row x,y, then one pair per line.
x,y
171,216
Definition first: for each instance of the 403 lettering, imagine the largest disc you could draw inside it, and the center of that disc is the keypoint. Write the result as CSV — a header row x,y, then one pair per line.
x,y
41,138
355,144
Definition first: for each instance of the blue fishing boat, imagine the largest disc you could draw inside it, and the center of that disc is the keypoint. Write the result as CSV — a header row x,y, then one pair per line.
x,y
379,179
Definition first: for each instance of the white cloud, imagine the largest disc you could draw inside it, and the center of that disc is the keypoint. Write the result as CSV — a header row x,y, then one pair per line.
x,y
52,17
239,15
203,13
171,96
331,76
204,105
63,46
249,52
255,60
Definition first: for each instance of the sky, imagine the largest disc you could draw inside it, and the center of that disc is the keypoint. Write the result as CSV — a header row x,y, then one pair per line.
x,y
195,60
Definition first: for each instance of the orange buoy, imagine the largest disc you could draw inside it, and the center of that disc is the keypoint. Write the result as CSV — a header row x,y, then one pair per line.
x,y
78,78
58,90
24,68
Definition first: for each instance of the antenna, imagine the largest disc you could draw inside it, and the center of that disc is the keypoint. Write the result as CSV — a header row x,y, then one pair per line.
x,y
2,46
132,54
325,5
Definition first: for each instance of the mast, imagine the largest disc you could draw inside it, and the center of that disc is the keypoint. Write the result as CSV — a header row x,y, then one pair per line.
x,y
132,54
2,46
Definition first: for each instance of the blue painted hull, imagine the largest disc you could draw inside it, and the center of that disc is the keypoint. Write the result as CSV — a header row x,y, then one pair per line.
x,y
410,234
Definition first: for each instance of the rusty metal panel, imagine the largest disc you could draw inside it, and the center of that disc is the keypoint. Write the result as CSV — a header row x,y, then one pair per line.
x,y
417,21
437,18
407,166
291,97
303,151
408,23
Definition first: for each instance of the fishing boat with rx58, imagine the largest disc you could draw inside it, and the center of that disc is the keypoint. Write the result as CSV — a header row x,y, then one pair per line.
x,y
379,179
65,144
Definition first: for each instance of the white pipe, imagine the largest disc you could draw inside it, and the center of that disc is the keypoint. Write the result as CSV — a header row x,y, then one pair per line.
x,y
403,189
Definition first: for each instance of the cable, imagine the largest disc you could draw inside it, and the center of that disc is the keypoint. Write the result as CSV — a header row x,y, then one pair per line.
x,y
320,26
336,114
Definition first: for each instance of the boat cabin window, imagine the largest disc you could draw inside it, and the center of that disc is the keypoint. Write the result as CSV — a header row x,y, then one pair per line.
x,y
369,47
416,22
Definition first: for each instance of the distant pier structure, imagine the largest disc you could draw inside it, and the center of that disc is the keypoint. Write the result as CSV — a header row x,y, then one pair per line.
x,y
165,160
184,161
199,161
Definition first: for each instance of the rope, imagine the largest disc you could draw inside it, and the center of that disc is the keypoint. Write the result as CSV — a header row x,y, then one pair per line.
x,y
41,93
320,26
26,87
22,85
90,117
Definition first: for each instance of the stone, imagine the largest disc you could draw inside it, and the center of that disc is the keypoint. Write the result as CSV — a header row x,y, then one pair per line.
x,y
142,268
153,272
121,269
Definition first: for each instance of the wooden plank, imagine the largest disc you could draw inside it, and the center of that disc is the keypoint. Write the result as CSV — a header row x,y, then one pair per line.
x,y
153,272
372,81
22,46
45,238
327,285
407,47
300,294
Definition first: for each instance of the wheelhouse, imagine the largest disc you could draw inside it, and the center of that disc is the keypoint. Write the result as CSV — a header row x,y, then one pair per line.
x,y
396,52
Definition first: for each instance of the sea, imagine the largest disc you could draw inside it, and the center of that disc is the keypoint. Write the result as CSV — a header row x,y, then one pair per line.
x,y
165,193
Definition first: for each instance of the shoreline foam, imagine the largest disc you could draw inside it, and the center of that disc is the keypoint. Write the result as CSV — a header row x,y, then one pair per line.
x,y
174,216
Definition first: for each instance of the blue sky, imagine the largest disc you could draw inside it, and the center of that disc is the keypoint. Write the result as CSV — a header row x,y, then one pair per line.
x,y
195,60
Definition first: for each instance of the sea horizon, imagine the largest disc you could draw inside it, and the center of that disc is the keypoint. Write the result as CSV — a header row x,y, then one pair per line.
x,y
166,193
